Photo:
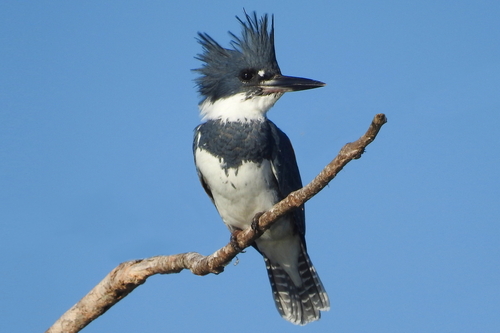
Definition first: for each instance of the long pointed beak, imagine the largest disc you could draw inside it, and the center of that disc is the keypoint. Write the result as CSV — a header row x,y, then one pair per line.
x,y
281,84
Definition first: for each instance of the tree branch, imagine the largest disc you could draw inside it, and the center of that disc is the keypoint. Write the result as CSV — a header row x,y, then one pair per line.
x,y
131,274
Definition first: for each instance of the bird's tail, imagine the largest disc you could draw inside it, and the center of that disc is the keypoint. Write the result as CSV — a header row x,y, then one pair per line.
x,y
299,305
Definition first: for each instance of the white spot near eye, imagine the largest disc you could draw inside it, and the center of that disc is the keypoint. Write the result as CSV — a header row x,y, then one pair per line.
x,y
261,73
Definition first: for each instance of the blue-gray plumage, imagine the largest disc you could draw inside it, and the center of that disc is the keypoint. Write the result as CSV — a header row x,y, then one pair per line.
x,y
246,164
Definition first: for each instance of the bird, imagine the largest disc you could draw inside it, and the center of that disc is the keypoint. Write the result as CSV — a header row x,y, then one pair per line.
x,y
246,164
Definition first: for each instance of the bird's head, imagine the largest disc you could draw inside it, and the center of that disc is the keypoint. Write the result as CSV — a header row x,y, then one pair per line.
x,y
249,69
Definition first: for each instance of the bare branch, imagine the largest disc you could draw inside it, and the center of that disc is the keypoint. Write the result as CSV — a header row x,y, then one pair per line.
x,y
131,274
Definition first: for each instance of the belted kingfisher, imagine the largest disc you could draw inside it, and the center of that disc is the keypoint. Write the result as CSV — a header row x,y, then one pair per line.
x,y
246,164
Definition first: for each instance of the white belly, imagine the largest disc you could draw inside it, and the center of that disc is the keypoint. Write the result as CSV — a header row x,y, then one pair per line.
x,y
240,193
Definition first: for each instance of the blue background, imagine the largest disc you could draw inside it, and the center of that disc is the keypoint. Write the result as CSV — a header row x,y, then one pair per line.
x,y
97,111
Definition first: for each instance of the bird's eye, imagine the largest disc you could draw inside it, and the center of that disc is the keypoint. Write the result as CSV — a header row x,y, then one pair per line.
x,y
247,75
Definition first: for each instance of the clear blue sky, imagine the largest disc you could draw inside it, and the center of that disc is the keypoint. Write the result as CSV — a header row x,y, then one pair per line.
x,y
97,111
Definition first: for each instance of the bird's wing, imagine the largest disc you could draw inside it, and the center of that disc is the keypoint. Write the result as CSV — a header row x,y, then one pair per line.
x,y
287,172
200,175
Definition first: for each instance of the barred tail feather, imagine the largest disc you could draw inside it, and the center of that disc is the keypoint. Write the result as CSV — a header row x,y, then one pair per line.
x,y
299,305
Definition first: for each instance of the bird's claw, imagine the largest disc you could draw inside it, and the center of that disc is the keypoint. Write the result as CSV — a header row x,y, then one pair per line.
x,y
233,240
255,221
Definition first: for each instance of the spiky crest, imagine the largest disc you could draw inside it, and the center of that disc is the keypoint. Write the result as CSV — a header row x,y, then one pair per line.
x,y
221,68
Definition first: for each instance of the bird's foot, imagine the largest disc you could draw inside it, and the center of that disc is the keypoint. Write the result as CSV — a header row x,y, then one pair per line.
x,y
255,221
233,240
